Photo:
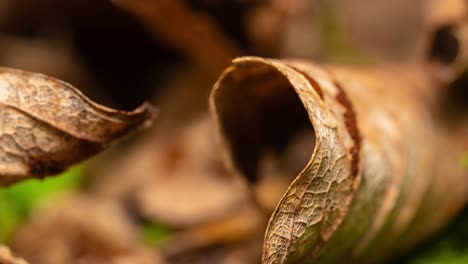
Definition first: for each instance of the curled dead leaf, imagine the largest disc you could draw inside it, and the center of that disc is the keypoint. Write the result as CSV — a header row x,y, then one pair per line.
x,y
369,177
47,125
275,113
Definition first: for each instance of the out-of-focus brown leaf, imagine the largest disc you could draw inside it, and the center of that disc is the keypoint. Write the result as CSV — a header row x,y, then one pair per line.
x,y
268,22
177,179
346,30
244,224
47,125
35,56
189,184
6,257
370,26
188,86
245,252
447,40
185,199
372,177
82,229
446,51
193,33
438,13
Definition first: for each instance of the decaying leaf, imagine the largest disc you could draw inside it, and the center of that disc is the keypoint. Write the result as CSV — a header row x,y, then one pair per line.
x,y
82,229
47,125
6,257
380,164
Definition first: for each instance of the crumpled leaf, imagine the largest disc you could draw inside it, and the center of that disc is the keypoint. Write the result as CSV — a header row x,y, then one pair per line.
x,y
47,125
372,183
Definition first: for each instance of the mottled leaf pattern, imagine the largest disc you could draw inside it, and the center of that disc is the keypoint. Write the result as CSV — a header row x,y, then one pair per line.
x,y
47,125
372,176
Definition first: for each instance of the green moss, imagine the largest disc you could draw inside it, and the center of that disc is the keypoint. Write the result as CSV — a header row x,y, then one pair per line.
x,y
17,201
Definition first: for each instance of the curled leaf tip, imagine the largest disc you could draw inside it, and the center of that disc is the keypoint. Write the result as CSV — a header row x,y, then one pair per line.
x,y
261,105
47,125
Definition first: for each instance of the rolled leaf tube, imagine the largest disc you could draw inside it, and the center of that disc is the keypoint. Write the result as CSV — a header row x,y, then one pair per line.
x,y
381,164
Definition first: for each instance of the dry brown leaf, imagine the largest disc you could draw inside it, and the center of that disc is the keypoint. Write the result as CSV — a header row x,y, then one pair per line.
x,y
372,177
82,229
6,257
47,125
335,160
